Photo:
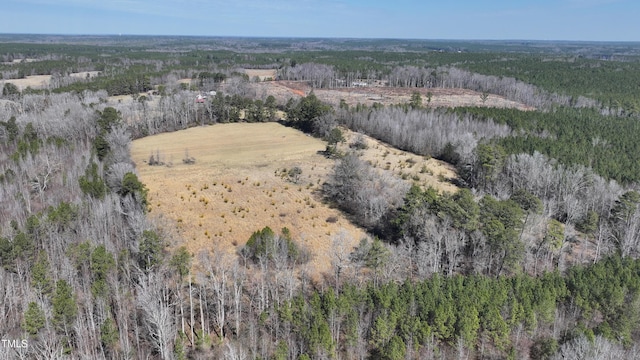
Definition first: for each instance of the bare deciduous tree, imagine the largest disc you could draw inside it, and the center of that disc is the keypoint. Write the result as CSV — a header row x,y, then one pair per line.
x,y
235,352
153,299
364,192
600,348
425,131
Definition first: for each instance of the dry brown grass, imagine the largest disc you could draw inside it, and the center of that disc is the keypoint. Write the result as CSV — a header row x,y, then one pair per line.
x,y
262,74
237,186
34,82
440,97
424,171
42,81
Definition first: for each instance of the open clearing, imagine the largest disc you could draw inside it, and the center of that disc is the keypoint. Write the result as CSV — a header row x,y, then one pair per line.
x,y
262,74
237,186
440,97
42,81
425,171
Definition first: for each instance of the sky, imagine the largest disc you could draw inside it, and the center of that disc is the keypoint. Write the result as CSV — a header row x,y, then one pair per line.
x,y
583,20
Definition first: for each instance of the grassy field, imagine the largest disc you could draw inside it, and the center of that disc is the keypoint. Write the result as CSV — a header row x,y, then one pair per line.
x,y
42,81
235,188
237,185
439,97
262,74
425,171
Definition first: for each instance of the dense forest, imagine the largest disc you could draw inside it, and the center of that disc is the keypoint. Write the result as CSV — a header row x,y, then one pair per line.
x,y
535,256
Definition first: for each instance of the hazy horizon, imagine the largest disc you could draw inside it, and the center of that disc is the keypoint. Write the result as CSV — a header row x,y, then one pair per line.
x,y
547,20
461,40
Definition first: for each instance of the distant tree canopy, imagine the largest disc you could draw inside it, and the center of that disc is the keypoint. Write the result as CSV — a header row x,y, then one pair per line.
x,y
108,119
416,100
205,76
572,136
132,82
11,128
151,250
610,82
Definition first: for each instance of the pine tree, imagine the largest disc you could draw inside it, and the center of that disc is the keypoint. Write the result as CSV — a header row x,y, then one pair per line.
x,y
108,333
102,263
40,278
34,319
65,308
181,260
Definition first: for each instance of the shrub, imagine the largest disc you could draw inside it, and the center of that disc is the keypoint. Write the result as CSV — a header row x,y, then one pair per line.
x,y
276,248
335,136
294,174
332,219
359,143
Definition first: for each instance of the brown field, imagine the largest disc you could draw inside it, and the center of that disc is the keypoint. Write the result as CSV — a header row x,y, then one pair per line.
x,y
440,97
262,74
42,81
235,186
425,171
35,82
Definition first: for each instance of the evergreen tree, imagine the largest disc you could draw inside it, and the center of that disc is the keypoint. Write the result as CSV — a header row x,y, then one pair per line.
x,y
108,334
102,263
34,319
151,249
91,183
416,100
65,308
40,275
181,261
